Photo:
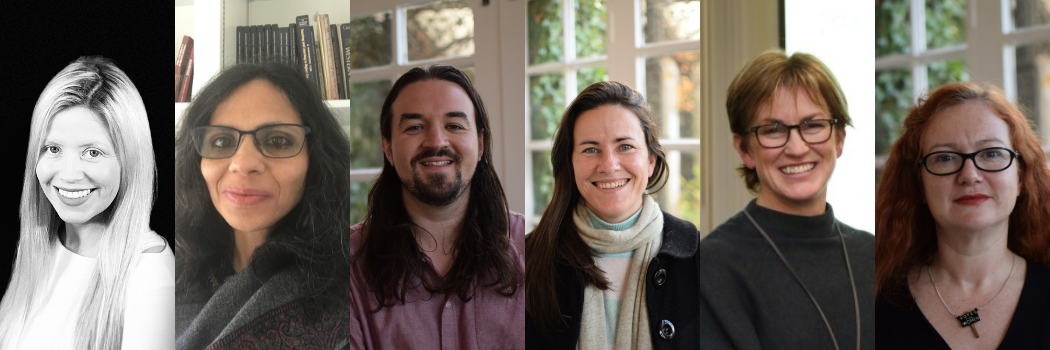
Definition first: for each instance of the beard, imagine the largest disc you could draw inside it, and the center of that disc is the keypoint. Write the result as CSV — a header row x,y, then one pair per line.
x,y
436,189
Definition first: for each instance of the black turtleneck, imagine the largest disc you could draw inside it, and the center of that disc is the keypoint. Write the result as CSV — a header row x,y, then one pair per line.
x,y
750,300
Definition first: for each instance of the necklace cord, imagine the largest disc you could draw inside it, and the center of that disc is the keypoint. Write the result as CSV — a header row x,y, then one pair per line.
x,y
853,285
1013,264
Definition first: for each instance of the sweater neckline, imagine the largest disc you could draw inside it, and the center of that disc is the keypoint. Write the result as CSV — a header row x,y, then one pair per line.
x,y
780,224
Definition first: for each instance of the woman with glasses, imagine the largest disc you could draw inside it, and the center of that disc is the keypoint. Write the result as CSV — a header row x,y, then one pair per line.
x,y
784,273
963,215
260,185
90,274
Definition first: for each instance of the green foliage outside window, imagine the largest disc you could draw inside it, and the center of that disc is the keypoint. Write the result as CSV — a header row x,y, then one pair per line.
x,y
892,27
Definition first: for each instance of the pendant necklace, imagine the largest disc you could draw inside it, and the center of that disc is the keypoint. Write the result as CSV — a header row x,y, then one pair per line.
x,y
969,318
853,285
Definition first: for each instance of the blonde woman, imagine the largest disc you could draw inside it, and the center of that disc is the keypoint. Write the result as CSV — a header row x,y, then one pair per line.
x,y
90,274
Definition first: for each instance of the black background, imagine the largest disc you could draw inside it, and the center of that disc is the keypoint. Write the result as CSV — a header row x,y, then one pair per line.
x,y
40,39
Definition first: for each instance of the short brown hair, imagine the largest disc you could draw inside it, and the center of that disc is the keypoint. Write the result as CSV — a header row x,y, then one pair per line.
x,y
756,84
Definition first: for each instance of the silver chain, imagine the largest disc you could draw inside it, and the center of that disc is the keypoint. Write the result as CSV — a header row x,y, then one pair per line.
x,y
1013,264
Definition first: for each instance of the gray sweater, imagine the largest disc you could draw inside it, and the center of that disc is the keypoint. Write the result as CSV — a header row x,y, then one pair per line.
x,y
750,299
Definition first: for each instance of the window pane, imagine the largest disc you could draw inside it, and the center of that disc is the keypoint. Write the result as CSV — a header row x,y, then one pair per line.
x,y
369,41
681,196
945,23
359,200
943,72
361,122
443,28
892,98
892,27
587,76
469,72
546,104
670,20
671,84
542,181
1033,85
545,31
1029,13
590,28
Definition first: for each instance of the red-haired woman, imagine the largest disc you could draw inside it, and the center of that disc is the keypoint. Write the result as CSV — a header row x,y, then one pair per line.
x,y
963,221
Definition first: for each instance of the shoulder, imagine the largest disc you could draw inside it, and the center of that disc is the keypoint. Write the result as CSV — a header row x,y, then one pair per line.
x,y
726,236
680,237
855,234
156,265
515,225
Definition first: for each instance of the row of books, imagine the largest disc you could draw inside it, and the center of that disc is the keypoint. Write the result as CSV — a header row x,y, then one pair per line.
x,y
318,52
184,70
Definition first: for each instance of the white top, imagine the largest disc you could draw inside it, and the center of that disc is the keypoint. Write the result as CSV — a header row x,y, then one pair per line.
x,y
149,315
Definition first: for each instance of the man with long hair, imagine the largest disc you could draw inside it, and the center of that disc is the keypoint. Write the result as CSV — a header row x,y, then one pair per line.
x,y
437,261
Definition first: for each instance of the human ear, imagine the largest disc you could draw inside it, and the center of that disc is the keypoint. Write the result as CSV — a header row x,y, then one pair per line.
x,y
744,155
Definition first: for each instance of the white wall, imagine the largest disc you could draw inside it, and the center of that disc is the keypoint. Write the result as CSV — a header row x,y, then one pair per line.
x,y
842,34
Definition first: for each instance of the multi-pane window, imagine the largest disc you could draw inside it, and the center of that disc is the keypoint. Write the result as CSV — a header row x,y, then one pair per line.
x,y
920,45
570,48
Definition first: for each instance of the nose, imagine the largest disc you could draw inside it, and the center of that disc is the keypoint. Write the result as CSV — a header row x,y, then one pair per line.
x,y
248,159
72,169
436,138
969,173
608,163
795,146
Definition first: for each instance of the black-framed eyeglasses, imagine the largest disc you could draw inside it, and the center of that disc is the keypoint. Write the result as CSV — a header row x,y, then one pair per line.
x,y
274,141
989,159
777,135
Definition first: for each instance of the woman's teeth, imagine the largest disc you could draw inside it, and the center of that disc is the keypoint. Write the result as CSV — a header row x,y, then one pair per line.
x,y
437,163
611,185
798,169
73,194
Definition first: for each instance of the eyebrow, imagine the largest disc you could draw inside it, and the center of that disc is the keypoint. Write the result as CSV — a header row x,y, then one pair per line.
x,y
453,114
780,121
618,140
955,145
260,126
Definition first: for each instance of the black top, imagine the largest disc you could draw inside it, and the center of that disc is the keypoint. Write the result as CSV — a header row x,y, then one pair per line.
x,y
749,299
907,327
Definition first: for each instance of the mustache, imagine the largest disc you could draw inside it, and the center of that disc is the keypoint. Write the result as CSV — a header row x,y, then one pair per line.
x,y
431,152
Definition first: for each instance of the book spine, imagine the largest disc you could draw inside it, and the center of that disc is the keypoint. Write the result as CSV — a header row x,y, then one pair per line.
x,y
337,60
306,38
322,63
293,37
274,40
240,50
253,36
187,80
180,61
331,83
345,40
268,32
302,20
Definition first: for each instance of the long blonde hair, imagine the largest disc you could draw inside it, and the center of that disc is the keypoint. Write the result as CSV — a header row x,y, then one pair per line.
x,y
97,84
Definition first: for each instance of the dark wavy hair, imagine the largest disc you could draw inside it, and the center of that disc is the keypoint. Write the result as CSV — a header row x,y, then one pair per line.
x,y
907,229
203,239
392,262
556,239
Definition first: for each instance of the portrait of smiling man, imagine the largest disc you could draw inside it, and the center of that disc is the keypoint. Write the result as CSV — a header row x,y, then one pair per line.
x,y
437,262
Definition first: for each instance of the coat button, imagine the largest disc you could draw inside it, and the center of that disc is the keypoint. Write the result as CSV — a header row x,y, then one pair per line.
x,y
661,277
667,330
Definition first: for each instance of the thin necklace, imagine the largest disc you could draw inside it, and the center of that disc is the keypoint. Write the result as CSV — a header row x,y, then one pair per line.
x,y
853,285
969,318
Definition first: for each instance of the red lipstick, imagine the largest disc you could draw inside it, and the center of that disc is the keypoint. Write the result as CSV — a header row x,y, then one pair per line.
x,y
972,199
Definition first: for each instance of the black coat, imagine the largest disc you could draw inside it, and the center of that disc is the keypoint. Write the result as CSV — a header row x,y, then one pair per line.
x,y
671,286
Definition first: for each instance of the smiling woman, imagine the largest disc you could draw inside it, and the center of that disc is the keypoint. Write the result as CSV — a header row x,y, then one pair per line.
x,y
260,185
89,274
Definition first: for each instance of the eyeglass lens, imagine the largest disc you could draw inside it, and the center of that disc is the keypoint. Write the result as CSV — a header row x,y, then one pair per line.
x,y
992,159
777,135
275,141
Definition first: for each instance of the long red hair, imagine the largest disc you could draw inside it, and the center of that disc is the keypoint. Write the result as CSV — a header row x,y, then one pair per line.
x,y
905,228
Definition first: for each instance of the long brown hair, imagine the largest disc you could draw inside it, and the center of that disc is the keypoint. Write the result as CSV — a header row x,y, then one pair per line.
x,y
392,260
904,224
555,240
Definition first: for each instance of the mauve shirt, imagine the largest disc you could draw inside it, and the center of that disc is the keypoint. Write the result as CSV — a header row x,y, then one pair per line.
x,y
438,321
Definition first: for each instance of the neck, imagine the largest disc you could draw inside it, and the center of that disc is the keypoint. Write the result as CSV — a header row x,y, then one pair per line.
x,y
442,224
972,258
244,244
84,238
812,207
